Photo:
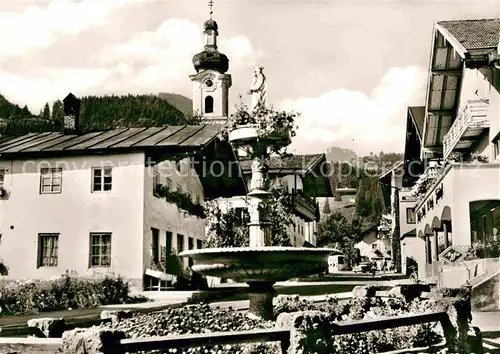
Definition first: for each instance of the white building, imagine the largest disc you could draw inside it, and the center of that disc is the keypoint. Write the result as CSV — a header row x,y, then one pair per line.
x,y
456,199
84,202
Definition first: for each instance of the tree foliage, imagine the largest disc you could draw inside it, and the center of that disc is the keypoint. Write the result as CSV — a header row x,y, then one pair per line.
x,y
46,112
229,228
226,228
338,232
326,207
57,111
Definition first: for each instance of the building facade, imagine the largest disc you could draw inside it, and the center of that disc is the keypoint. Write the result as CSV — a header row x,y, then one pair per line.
x,y
456,191
88,202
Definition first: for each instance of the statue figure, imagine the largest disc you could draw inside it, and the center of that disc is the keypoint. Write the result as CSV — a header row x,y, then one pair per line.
x,y
258,90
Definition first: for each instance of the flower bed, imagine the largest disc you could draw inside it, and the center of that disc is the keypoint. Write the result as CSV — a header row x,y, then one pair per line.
x,y
202,319
194,319
65,292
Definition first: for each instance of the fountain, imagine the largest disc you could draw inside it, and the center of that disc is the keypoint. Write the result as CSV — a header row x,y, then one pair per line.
x,y
259,265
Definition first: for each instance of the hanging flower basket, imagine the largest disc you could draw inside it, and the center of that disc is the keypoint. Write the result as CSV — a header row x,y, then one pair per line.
x,y
265,124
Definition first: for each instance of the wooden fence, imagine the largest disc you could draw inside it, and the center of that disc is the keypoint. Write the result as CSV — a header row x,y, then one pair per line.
x,y
283,335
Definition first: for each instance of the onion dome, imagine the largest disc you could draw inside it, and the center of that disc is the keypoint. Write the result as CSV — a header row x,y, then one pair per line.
x,y
210,25
210,58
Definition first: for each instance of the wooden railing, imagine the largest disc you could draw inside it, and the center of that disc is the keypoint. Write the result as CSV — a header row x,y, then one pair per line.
x,y
283,336
206,339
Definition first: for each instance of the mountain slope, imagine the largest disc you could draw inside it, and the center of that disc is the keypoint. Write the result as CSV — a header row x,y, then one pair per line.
x,y
97,113
9,109
182,103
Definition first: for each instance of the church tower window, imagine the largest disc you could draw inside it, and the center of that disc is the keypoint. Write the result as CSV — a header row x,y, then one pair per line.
x,y
209,104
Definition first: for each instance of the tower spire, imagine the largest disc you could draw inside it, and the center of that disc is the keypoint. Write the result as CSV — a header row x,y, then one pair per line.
x,y
211,6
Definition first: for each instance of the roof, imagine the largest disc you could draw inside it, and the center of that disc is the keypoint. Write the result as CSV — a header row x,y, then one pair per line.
x,y
286,164
474,34
389,170
418,116
187,136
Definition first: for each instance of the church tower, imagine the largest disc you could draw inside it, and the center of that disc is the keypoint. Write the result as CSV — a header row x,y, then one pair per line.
x,y
211,83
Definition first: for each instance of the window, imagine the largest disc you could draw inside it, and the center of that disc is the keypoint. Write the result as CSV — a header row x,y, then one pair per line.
x,y
2,176
47,250
50,180
178,166
101,179
410,215
169,242
155,244
190,247
199,244
374,246
156,180
180,243
100,249
209,104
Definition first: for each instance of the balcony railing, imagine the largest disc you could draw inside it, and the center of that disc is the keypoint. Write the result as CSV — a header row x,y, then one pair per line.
x,y
473,115
433,191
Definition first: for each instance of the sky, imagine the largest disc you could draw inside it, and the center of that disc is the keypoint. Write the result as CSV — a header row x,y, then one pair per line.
x,y
350,68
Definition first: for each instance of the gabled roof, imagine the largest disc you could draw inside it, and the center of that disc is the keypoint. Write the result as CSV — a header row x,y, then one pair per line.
x,y
417,115
285,165
314,169
473,34
388,171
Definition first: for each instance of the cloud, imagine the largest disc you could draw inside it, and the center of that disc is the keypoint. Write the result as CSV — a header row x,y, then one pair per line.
x,y
359,121
39,27
152,61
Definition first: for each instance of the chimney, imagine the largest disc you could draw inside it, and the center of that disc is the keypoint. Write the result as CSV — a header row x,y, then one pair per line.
x,y
72,124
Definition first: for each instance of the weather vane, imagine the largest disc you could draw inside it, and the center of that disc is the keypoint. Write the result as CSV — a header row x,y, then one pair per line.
x,y
211,6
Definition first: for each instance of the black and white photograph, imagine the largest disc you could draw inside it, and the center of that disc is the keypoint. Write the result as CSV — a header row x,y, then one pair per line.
x,y
250,176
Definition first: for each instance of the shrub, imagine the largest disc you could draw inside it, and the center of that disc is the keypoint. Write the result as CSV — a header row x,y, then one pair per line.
x,y
369,308
62,293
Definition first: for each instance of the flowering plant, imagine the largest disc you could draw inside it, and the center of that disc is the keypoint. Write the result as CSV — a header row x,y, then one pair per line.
x,y
269,122
3,192
477,156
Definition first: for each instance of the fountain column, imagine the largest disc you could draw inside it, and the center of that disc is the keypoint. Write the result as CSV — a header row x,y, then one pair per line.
x,y
260,225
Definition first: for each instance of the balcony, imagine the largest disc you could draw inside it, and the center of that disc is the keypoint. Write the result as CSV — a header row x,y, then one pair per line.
x,y
467,127
304,206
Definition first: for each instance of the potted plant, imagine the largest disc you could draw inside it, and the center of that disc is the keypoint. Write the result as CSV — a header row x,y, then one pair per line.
x,y
478,157
264,123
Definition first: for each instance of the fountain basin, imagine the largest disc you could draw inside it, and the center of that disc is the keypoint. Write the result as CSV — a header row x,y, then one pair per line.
x,y
250,133
258,264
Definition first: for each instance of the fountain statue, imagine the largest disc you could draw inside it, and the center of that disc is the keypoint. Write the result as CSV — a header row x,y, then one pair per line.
x,y
258,90
260,265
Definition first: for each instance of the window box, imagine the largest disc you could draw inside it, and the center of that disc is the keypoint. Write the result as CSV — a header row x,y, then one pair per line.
x,y
182,200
